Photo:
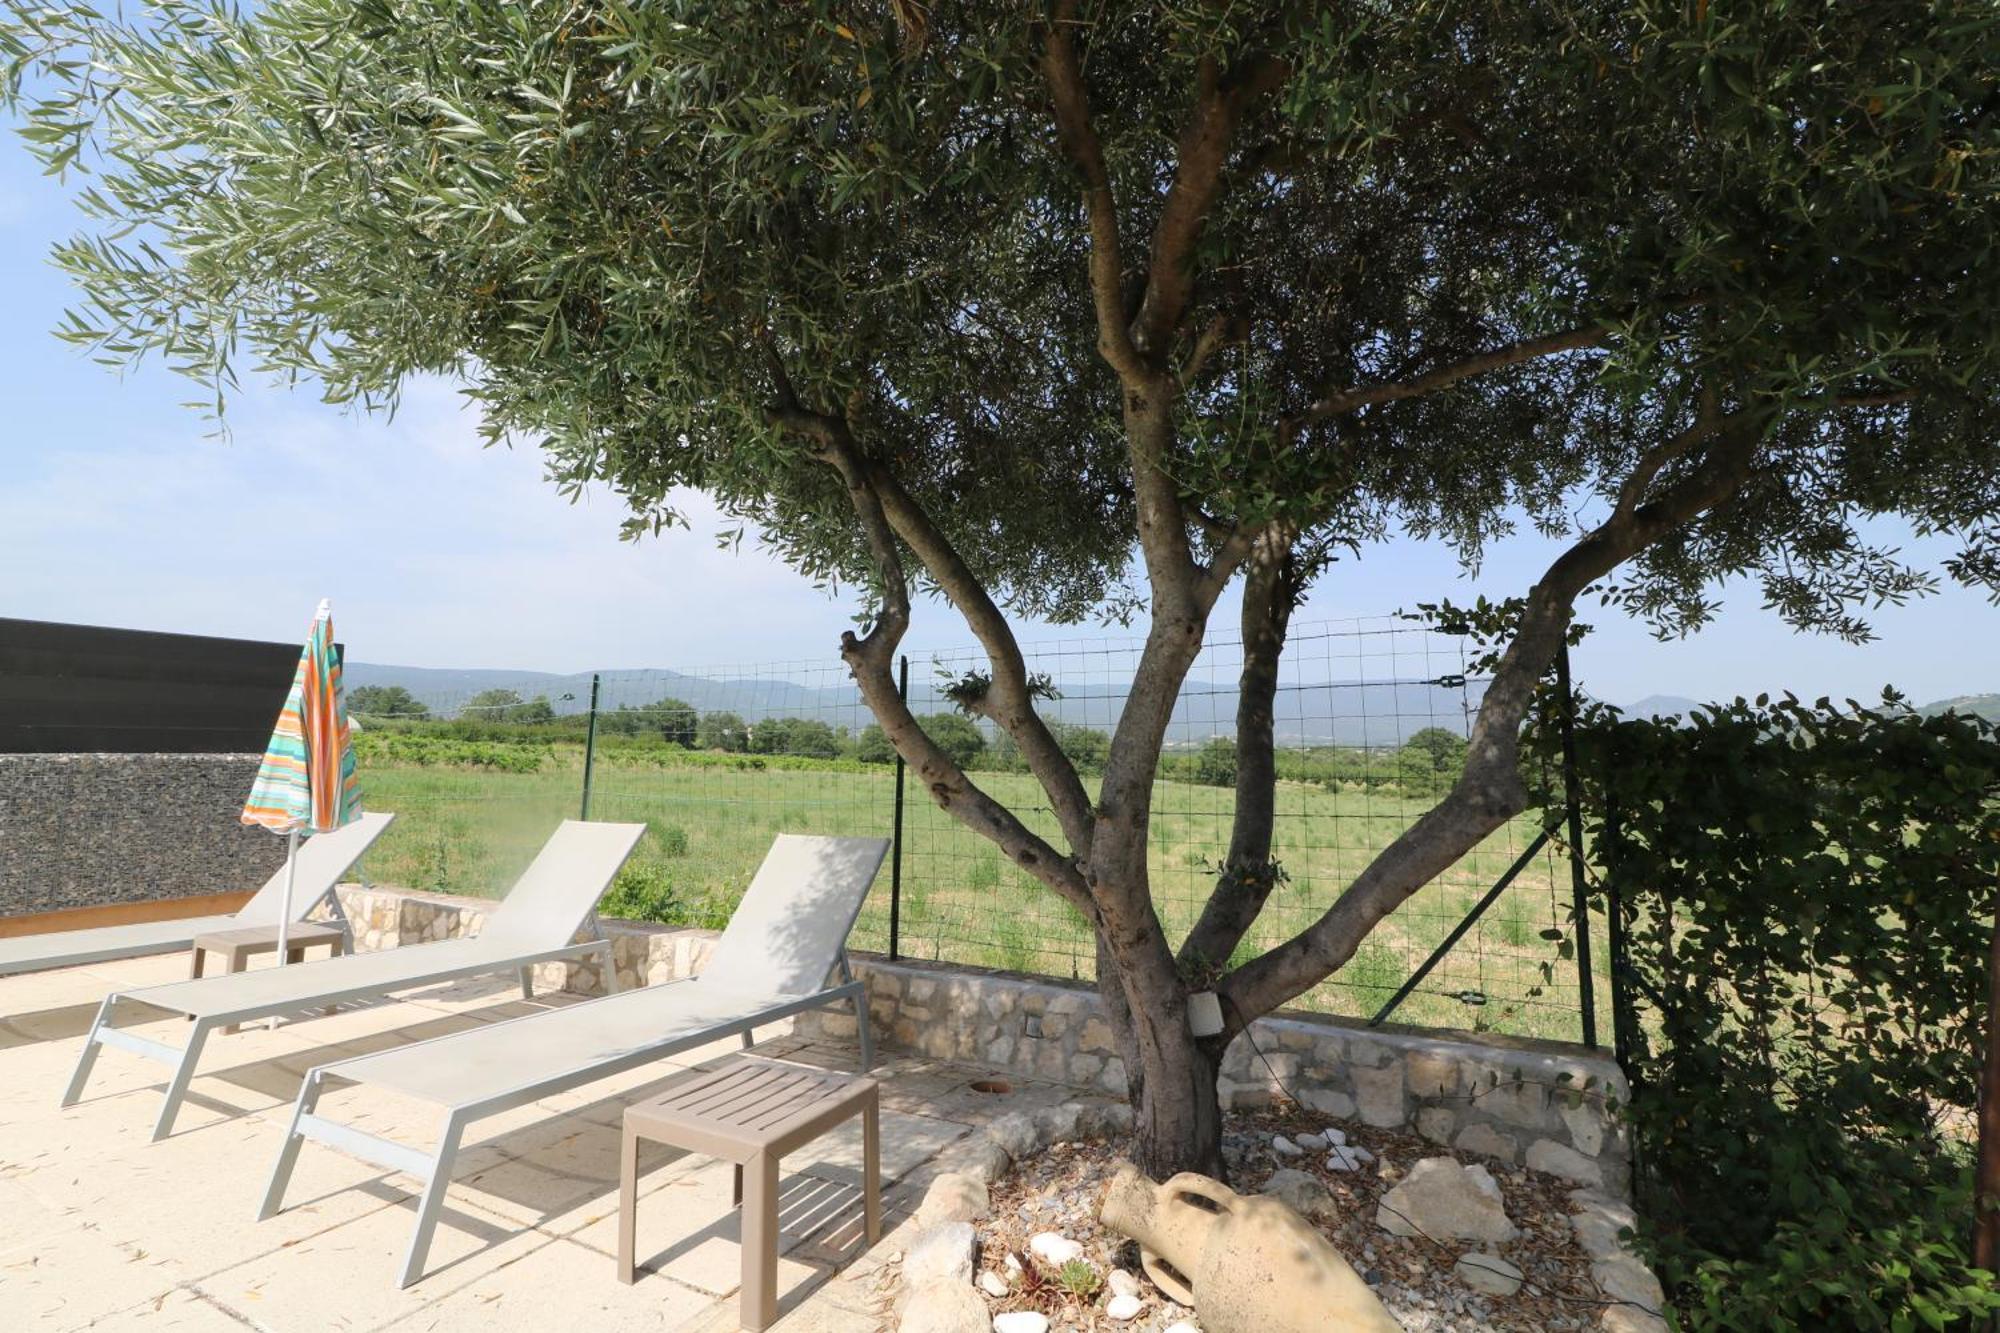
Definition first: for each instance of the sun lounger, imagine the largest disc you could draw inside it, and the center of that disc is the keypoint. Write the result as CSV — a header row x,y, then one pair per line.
x,y
537,922
322,860
785,942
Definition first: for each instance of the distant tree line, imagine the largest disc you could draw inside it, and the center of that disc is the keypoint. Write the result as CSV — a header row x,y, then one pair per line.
x,y
1427,763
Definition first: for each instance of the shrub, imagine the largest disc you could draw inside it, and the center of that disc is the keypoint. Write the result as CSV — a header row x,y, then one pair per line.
x,y
1808,904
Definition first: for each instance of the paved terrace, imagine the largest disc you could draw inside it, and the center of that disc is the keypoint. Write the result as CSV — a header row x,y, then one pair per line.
x,y
102,1229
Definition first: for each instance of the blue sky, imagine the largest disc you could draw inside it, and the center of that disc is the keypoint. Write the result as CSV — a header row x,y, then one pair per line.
x,y
115,509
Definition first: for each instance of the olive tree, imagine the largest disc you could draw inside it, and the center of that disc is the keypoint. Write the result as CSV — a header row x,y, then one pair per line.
x,y
1072,308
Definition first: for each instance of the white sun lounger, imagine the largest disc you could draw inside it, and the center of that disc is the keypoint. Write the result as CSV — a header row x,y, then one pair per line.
x,y
536,922
785,942
322,860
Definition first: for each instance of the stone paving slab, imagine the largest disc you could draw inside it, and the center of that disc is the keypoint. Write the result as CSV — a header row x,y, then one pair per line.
x,y
102,1229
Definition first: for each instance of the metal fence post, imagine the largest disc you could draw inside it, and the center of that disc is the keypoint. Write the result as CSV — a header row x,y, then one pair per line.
x,y
896,847
590,746
1579,888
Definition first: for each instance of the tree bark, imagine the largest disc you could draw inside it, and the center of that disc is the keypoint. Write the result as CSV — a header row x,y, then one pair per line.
x,y
1986,1191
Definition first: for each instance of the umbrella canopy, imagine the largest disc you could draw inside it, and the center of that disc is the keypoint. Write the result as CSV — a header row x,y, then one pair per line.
x,y
306,783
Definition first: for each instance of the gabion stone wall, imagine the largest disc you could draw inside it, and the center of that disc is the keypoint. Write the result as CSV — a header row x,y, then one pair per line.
x,y
90,830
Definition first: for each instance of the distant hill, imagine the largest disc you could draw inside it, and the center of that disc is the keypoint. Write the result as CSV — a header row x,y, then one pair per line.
x,y
1661,705
1979,705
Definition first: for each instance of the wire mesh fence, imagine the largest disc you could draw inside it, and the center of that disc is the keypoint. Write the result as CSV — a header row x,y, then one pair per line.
x,y
1370,716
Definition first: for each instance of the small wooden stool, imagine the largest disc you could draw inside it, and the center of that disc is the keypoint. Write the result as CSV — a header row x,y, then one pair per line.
x,y
751,1111
238,945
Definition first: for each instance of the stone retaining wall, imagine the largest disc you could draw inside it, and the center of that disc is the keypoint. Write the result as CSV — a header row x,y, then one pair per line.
x,y
1548,1105
90,830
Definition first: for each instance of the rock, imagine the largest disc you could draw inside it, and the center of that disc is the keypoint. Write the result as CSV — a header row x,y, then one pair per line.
x,y
1058,1124
1336,1137
1327,1102
943,1307
1020,1321
1379,1094
1122,1308
1312,1142
953,1197
1487,1142
1184,1326
984,1160
942,1253
1625,1278
1124,1283
1015,1133
1597,1233
1585,1125
993,1284
1436,1123
1625,1319
1446,1200
1054,1249
1303,1194
1557,1160
1488,1273
1284,1147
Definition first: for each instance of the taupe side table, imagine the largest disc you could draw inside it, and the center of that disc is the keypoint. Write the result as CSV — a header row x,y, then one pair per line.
x,y
751,1111
238,945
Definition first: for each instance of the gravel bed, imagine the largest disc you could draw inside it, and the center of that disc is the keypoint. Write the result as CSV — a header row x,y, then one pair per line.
x,y
1059,1190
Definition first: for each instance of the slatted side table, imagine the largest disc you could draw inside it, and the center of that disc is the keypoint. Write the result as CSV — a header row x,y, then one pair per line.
x,y
751,1111
237,946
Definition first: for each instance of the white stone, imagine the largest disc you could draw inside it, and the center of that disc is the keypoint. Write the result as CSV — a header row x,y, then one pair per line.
x,y
1303,1194
1313,1142
1122,1308
1012,1264
1488,1273
1436,1123
993,1284
1347,1157
1284,1147
942,1253
1446,1200
1558,1160
1123,1282
1021,1321
1053,1248
1336,1137
1184,1326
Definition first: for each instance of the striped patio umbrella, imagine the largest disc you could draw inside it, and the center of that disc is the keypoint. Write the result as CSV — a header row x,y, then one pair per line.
x,y
306,783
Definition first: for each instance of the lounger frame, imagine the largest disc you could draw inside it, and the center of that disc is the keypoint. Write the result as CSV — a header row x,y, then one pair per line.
x,y
182,1059
434,1168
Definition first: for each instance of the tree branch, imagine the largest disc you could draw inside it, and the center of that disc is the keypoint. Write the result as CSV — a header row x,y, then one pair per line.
x,y
871,659
1220,102
1010,703
1513,354
1079,140
1270,592
1490,792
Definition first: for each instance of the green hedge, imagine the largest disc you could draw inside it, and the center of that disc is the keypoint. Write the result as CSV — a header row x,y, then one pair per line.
x,y
1809,902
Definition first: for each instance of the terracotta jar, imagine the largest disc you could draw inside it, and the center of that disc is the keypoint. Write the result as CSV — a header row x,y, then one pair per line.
x,y
1245,1263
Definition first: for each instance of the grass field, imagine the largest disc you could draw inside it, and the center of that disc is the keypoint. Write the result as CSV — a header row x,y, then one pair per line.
x,y
470,830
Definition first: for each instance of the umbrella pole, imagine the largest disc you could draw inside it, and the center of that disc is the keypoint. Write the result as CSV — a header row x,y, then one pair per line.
x,y
285,917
